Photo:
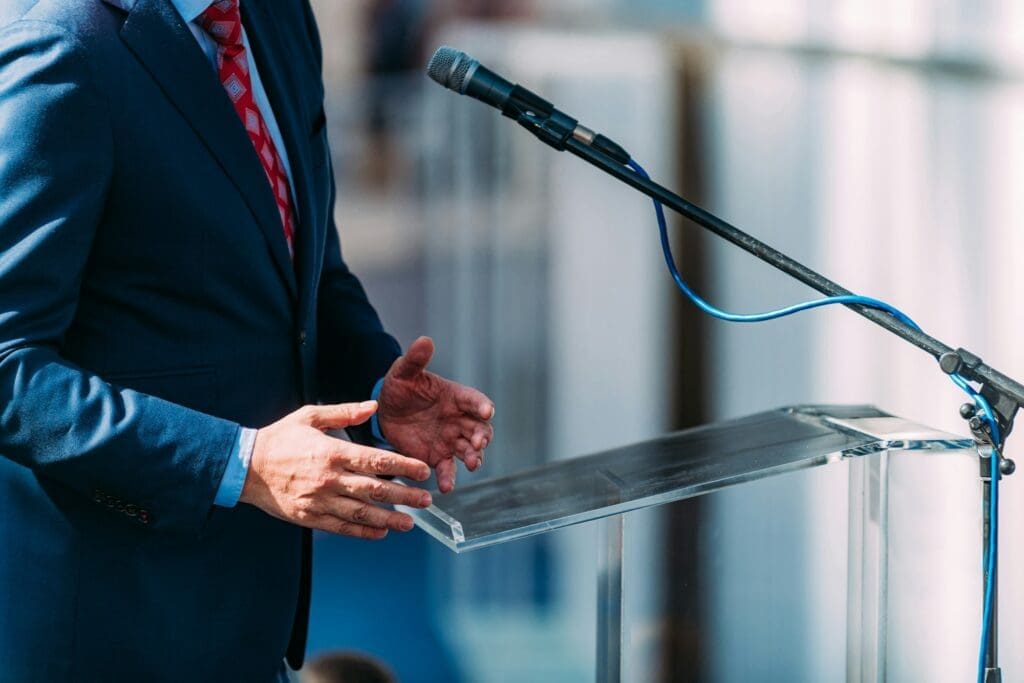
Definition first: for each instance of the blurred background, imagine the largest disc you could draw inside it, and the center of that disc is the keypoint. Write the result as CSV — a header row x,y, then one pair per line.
x,y
881,143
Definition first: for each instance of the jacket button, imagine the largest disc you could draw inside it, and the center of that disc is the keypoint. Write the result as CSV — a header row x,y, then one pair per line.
x,y
302,337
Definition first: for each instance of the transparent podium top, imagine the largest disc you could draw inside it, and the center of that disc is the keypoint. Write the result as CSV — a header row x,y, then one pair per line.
x,y
666,469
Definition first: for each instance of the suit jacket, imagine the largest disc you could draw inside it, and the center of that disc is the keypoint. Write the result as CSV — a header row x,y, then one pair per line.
x,y
148,310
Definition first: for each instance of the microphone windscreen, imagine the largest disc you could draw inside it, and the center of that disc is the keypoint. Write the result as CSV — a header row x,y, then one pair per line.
x,y
449,67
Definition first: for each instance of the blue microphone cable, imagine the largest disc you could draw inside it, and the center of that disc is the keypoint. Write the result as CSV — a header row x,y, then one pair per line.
x,y
989,560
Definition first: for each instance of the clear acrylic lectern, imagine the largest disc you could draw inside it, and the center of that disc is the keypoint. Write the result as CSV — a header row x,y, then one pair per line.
x,y
891,546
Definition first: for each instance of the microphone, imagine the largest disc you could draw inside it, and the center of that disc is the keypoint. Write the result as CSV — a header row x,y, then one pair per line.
x,y
457,71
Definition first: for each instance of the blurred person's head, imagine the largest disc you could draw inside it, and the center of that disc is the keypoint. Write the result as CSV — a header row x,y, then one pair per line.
x,y
346,667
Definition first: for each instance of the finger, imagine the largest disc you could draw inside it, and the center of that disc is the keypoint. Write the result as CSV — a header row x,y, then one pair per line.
x,y
373,490
368,514
366,460
468,428
462,447
474,403
338,415
482,437
343,528
478,433
465,451
415,360
445,472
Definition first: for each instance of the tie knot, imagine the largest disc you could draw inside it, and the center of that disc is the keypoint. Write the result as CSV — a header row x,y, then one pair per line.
x,y
223,22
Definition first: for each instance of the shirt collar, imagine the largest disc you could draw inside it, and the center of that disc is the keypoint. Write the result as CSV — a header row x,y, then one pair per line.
x,y
190,9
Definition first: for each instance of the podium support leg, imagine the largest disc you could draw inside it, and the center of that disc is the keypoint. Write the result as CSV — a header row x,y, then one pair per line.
x,y
609,600
867,591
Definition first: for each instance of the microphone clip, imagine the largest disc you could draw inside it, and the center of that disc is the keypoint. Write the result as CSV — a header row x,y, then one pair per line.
x,y
556,129
553,130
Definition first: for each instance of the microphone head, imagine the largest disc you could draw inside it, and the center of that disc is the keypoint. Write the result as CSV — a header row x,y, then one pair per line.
x,y
449,67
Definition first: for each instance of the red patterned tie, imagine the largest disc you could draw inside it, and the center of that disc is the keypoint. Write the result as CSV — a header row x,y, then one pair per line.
x,y
223,22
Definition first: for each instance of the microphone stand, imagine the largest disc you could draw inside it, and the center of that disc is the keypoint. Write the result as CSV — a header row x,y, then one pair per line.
x,y
1004,394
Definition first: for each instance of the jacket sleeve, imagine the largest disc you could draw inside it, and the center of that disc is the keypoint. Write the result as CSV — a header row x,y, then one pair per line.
x,y
119,447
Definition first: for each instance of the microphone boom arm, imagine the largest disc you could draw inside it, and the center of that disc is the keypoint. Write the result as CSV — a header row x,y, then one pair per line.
x,y
457,71
1005,394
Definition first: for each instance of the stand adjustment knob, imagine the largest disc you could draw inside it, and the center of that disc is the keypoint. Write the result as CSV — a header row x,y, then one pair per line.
x,y
950,362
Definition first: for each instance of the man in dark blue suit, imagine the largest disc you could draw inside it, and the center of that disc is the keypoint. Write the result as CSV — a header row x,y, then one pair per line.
x,y
174,314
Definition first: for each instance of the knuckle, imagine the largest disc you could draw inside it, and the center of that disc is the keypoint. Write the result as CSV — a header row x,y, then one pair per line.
x,y
356,458
307,509
379,491
322,480
306,413
336,457
361,513
380,465
330,470
302,515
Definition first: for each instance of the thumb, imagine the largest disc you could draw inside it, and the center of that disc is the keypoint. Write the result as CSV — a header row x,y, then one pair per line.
x,y
341,415
415,360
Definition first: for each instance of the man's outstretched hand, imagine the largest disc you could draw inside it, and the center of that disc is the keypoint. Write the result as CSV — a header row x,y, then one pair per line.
x,y
433,419
303,476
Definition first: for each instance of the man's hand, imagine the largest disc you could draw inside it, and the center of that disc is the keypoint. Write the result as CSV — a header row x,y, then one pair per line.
x,y
433,419
301,475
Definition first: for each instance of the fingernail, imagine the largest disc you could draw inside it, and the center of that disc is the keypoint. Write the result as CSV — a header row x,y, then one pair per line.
x,y
407,525
426,500
366,405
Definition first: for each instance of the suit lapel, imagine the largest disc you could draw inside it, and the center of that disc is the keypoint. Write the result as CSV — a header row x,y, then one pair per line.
x,y
293,120
161,41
